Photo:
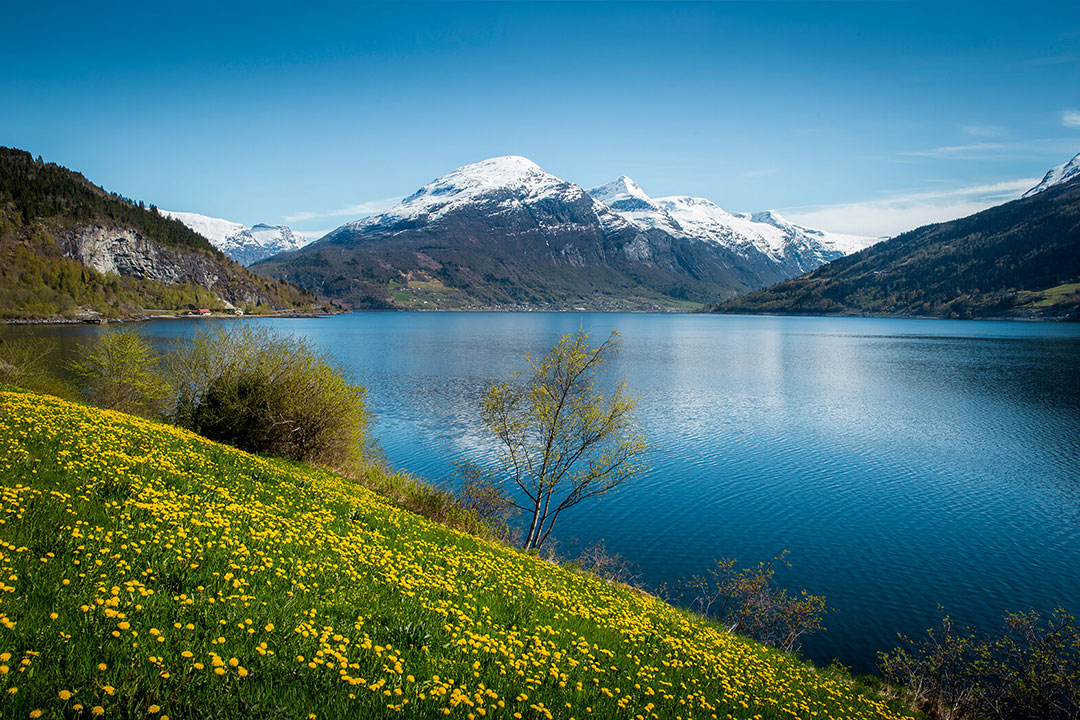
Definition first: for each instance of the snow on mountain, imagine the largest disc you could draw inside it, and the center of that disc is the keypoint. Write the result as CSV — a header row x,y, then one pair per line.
x,y
511,180
626,197
765,233
216,230
243,244
1057,175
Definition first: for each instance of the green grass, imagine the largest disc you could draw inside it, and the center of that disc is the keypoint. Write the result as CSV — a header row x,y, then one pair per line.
x,y
1060,296
151,573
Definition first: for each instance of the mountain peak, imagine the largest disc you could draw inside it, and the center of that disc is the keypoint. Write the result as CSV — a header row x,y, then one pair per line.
x,y
503,170
769,216
508,178
1064,172
620,190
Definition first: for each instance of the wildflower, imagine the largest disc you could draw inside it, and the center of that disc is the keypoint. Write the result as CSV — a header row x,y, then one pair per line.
x,y
64,694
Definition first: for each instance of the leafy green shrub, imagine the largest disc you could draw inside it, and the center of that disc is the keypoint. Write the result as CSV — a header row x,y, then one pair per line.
x,y
121,371
269,393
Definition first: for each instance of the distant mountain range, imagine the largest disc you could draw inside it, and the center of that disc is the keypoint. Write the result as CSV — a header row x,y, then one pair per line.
x,y
503,233
69,249
245,245
1019,259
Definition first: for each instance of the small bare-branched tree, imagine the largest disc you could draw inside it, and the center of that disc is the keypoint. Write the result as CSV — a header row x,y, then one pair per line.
x,y
562,441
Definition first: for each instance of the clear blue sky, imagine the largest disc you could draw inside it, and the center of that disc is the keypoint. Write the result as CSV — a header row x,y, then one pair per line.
x,y
865,117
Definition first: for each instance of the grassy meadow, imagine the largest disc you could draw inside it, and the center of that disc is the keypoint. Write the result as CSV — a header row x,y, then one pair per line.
x,y
147,572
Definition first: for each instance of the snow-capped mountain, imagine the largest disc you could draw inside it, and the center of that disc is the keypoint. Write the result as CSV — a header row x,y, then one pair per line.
x,y
798,249
503,232
1057,175
243,244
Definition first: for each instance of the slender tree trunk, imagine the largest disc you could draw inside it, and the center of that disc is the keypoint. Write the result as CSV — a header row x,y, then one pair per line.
x,y
532,527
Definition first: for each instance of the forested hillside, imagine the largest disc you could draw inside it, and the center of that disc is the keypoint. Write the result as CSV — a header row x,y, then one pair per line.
x,y
1018,259
69,248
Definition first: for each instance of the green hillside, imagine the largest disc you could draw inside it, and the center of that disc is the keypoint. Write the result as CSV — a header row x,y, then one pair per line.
x,y
1020,259
46,214
148,572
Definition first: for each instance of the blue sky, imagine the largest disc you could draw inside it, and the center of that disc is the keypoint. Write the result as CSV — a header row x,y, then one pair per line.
x,y
861,117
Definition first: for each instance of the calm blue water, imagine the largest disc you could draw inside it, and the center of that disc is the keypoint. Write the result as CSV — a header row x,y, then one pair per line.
x,y
903,463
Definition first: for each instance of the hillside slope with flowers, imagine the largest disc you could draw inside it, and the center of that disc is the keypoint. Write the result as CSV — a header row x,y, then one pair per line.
x,y
149,573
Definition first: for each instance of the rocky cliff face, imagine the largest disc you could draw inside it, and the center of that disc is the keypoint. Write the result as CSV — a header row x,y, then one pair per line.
x,y
126,252
120,250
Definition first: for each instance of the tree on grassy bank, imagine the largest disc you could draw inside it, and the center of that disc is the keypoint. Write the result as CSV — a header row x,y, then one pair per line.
x,y
562,441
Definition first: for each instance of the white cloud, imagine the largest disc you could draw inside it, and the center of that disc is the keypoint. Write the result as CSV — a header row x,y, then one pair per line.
x,y
894,214
1071,118
352,211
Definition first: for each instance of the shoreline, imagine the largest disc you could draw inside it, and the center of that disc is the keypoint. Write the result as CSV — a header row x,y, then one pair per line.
x,y
98,320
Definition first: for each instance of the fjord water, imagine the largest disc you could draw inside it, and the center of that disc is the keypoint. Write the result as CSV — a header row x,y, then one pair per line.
x,y
905,464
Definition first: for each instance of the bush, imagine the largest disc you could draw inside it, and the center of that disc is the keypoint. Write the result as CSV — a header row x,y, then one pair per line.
x,y
483,496
269,393
1030,671
120,371
24,362
748,602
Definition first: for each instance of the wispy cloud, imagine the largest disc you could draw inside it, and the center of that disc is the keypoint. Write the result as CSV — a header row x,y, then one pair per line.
x,y
1071,118
313,234
987,131
1043,147
896,213
353,211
